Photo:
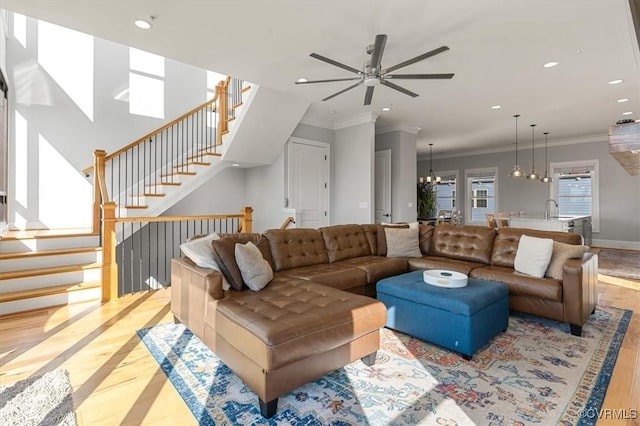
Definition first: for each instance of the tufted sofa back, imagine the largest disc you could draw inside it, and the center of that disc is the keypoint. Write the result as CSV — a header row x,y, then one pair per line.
x,y
506,243
345,242
469,243
297,247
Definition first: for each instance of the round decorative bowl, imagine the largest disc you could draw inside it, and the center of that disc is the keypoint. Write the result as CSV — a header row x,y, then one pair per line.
x,y
444,278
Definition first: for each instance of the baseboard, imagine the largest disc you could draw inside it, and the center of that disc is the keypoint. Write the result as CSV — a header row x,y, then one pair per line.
x,y
629,245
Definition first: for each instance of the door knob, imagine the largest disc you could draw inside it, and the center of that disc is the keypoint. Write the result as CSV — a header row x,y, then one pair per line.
x,y
386,215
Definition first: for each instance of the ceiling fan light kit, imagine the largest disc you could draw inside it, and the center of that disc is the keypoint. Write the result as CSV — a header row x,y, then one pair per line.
x,y
373,75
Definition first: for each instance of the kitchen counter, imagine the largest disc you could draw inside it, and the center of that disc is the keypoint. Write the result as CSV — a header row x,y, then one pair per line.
x,y
575,223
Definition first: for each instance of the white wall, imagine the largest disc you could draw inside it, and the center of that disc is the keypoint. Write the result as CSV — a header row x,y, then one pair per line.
x,y
402,144
265,193
619,191
50,125
352,180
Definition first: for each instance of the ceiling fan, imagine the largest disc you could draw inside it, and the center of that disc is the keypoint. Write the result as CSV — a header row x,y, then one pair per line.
x,y
373,74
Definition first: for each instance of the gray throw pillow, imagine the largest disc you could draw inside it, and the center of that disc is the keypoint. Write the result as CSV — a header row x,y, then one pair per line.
x,y
403,242
256,271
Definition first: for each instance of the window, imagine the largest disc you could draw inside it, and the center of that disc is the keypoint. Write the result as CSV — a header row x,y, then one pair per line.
x,y
446,191
482,190
146,84
575,189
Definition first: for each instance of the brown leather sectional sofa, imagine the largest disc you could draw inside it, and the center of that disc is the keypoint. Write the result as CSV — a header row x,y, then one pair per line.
x,y
317,272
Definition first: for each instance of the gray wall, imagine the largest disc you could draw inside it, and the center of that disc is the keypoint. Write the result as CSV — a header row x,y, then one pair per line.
x,y
403,173
619,191
352,164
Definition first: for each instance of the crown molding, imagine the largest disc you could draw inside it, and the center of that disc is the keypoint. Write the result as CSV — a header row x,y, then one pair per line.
x,y
401,127
604,137
367,117
317,123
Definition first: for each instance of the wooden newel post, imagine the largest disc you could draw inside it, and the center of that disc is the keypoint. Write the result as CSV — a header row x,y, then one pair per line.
x,y
109,265
223,111
98,170
247,219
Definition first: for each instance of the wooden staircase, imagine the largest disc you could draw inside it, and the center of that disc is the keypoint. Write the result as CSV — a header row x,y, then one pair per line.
x,y
48,268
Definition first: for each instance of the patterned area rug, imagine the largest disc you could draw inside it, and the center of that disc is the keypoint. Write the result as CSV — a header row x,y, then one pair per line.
x,y
619,263
535,373
42,400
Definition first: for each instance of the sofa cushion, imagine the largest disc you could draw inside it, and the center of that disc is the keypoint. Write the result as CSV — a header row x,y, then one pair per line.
x,y
371,232
561,253
438,262
506,242
533,255
520,284
256,272
224,255
381,237
333,275
426,235
293,319
377,267
469,243
293,248
345,242
402,242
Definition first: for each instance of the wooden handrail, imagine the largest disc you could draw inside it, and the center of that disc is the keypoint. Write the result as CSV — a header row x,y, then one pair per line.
x,y
109,268
287,222
155,132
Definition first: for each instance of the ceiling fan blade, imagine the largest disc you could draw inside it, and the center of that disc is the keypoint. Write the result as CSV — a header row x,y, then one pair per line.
x,y
368,96
378,49
328,81
398,88
334,63
420,76
342,91
416,59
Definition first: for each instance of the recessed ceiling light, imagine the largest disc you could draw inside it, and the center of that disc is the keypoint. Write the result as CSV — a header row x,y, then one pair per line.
x,y
142,24
623,100
551,64
627,113
331,112
615,81
496,106
302,80
386,109
236,165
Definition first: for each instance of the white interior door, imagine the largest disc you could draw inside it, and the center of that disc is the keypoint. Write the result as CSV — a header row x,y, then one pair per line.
x,y
383,186
309,182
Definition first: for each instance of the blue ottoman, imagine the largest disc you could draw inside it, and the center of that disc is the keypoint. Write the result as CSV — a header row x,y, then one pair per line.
x,y
461,319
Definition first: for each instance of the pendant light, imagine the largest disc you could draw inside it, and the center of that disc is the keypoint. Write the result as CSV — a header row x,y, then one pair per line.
x,y
546,178
517,171
432,177
533,175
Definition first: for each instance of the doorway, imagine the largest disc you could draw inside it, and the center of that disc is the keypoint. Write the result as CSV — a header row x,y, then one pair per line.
x,y
308,189
383,186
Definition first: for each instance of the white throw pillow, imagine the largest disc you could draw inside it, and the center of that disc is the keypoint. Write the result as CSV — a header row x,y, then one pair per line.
x,y
403,242
201,253
255,270
533,255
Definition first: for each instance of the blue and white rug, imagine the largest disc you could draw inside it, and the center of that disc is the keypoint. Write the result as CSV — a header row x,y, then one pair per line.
x,y
534,373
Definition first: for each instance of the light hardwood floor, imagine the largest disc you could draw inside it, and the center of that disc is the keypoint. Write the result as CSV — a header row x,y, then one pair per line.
x,y
116,380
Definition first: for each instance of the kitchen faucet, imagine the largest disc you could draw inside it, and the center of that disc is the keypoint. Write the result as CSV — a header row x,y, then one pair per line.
x,y
546,207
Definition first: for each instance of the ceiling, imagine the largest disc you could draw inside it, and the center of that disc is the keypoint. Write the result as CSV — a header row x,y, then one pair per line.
x,y
497,49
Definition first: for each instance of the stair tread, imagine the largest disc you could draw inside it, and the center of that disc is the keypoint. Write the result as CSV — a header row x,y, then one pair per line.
x,y
164,183
148,194
132,207
48,233
55,252
178,174
193,163
47,291
46,271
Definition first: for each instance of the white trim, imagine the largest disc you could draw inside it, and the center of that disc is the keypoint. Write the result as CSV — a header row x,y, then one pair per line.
x,y
455,173
595,185
629,245
367,117
558,142
317,123
401,127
